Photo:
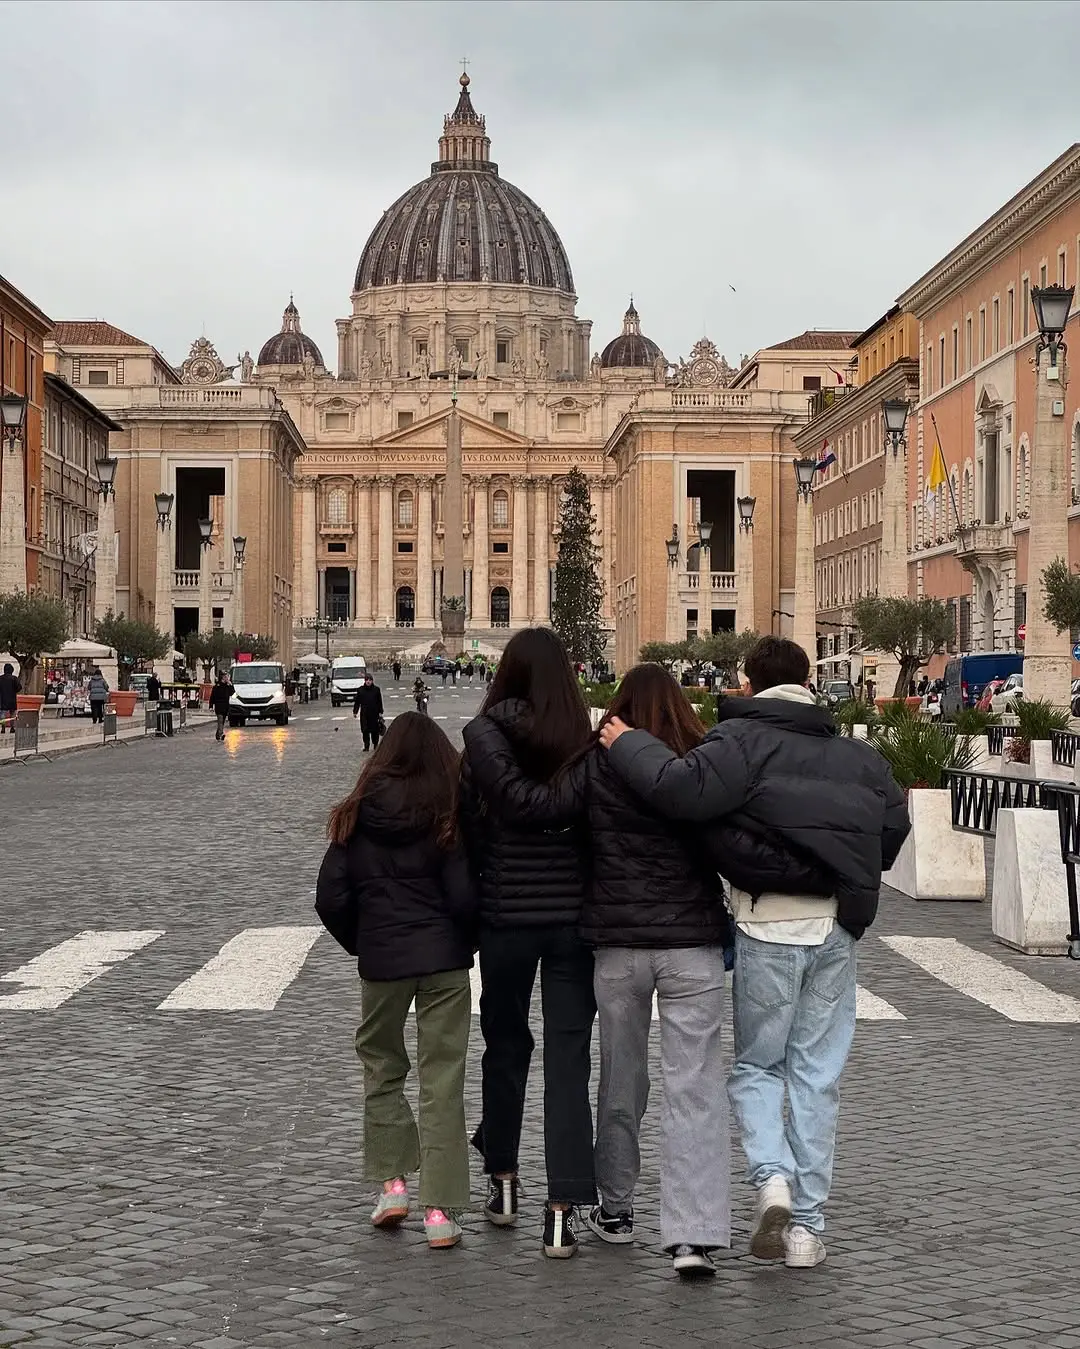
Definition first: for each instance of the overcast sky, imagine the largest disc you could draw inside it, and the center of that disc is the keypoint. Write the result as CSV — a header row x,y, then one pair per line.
x,y
179,167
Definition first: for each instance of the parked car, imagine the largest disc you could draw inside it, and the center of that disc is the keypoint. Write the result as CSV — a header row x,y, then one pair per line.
x,y
435,665
260,691
1010,693
967,675
838,691
995,685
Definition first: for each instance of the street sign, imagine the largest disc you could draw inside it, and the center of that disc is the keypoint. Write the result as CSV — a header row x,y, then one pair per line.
x,y
1076,651
1021,631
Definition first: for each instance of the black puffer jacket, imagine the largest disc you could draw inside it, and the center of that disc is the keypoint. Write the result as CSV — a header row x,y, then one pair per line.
x,y
393,898
772,766
528,875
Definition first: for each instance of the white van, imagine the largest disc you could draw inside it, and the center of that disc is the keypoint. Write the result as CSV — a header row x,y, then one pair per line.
x,y
259,692
346,675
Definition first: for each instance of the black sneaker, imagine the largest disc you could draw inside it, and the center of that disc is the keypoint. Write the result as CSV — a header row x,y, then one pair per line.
x,y
502,1201
692,1262
618,1228
560,1238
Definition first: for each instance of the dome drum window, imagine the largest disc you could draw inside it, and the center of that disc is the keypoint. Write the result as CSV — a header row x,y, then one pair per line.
x,y
335,512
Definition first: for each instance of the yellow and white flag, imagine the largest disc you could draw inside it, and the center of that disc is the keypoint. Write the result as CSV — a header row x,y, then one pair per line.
x,y
938,477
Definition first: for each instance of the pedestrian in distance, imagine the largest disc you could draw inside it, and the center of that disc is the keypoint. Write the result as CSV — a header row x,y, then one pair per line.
x,y
220,696
397,672
10,688
153,688
420,693
775,766
368,706
98,691
470,670
444,670
394,890
532,888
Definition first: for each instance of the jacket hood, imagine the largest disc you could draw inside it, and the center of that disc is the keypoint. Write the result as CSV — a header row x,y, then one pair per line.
x,y
386,812
514,718
785,715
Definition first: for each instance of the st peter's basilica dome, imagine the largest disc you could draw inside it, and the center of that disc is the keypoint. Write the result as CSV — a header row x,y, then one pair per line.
x,y
630,349
464,222
290,346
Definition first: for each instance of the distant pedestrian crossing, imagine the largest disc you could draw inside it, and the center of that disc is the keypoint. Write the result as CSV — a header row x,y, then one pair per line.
x,y
255,969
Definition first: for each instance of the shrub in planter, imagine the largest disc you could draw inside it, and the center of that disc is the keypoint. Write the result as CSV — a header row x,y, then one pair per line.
x,y
920,754
1035,719
970,721
854,712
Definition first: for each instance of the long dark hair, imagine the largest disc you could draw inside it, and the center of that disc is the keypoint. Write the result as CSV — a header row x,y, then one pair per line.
x,y
535,668
416,752
650,700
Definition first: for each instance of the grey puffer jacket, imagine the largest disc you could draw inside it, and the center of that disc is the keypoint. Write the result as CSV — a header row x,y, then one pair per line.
x,y
97,690
773,767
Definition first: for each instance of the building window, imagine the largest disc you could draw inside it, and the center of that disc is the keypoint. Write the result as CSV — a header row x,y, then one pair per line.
x,y
928,373
336,421
568,421
941,361
1025,304
337,507
405,607
982,333
500,510
811,383
462,344
1061,268
502,353
1042,275
995,324
420,347
405,510
404,419
500,607
405,546
955,352
1010,317
97,377
967,343
500,547
336,547
501,419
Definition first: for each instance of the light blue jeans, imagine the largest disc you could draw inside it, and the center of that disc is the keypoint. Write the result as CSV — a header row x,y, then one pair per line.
x,y
794,1020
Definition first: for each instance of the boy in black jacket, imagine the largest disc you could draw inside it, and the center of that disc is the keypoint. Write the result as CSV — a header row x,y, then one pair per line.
x,y
774,765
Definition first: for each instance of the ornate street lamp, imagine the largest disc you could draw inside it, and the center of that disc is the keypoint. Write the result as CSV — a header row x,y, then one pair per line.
x,y
746,513
206,529
705,531
163,501
239,543
673,547
106,472
894,414
1052,305
804,476
12,416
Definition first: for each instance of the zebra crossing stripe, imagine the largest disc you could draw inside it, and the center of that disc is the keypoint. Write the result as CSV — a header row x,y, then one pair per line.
x,y
248,974
57,974
869,1007
992,982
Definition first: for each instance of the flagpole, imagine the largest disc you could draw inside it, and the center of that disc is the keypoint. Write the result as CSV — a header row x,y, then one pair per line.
x,y
948,475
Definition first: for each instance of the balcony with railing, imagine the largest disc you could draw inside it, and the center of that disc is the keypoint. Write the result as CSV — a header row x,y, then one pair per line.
x,y
221,582
721,584
825,399
976,543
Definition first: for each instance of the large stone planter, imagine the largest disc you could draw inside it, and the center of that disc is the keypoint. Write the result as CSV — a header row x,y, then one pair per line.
x,y
29,702
1043,766
1030,906
124,700
937,861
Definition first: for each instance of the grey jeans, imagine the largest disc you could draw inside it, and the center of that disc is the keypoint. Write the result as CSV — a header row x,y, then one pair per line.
x,y
695,1147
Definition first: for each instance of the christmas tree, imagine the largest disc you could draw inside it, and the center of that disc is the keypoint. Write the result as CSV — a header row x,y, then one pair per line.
x,y
579,591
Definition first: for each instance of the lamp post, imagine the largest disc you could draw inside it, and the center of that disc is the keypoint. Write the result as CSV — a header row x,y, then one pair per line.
x,y
164,618
672,624
704,577
744,595
1047,667
805,624
239,544
105,560
12,498
206,603
892,573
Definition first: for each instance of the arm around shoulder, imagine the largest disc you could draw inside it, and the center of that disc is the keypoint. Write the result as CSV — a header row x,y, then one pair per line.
x,y
512,795
710,781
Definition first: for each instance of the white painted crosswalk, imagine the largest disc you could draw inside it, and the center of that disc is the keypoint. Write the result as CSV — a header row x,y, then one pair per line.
x,y
255,968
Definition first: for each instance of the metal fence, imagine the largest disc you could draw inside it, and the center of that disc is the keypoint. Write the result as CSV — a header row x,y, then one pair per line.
x,y
1068,813
995,739
1064,745
977,798
26,732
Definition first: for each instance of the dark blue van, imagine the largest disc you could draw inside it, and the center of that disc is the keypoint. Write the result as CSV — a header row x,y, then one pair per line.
x,y
967,676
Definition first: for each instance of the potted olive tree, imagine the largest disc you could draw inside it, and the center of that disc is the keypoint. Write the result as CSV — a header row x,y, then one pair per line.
x,y
912,630
133,641
31,625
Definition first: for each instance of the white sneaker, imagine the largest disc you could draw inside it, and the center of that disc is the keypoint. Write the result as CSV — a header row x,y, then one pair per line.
x,y
803,1249
772,1213
393,1206
692,1262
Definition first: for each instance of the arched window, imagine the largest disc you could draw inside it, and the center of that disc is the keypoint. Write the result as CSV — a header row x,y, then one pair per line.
x,y
1023,479
693,557
406,607
337,507
405,509
500,510
967,504
500,607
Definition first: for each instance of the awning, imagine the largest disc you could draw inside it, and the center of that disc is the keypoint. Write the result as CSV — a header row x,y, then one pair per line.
x,y
313,658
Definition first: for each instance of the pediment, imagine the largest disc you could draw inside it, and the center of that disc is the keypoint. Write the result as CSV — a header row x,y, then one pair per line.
x,y
476,434
989,399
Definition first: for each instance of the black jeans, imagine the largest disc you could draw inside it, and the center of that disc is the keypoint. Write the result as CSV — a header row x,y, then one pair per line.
x,y
508,961
97,710
371,731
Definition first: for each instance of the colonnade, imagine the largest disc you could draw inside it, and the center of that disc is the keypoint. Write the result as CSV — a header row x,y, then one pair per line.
x,y
375,524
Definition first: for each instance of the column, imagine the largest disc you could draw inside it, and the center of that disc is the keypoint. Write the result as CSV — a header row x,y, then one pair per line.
x,y
519,593
425,616
363,551
13,519
308,593
893,576
675,624
744,579
541,553
1047,666
238,596
480,615
385,615
164,618
105,557
804,633
206,602
605,521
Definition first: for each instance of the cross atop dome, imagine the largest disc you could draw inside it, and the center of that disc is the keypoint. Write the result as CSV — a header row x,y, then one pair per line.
x,y
464,143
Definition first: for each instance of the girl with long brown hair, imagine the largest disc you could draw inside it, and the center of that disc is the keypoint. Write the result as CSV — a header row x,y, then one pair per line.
x,y
394,891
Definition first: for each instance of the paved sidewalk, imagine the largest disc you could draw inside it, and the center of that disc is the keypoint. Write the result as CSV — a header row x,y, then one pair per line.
x,y
188,1175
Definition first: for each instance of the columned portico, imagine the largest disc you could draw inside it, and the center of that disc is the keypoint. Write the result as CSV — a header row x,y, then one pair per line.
x,y
541,553
363,549
425,615
519,594
480,614
385,615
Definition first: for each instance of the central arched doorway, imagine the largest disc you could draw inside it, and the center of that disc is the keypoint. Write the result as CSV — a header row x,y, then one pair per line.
x,y
500,607
406,607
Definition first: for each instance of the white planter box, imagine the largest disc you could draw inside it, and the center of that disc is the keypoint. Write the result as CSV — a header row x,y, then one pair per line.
x,y
1030,908
937,861
1043,765
1014,770
596,716
859,731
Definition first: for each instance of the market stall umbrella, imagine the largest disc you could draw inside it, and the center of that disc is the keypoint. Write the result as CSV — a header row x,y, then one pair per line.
x,y
78,649
312,659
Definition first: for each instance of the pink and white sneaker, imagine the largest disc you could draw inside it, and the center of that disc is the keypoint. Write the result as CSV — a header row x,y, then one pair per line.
x,y
393,1205
441,1228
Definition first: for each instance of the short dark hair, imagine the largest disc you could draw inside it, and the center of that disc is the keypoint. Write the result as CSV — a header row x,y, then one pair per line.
x,y
775,660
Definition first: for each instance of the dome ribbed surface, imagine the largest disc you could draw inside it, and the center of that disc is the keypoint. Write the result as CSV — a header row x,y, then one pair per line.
x,y
290,345
629,349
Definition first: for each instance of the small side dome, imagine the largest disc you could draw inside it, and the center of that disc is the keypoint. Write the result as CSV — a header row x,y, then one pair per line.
x,y
630,350
290,346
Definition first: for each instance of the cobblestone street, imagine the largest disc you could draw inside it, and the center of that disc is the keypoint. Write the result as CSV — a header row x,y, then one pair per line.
x,y
179,1140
